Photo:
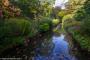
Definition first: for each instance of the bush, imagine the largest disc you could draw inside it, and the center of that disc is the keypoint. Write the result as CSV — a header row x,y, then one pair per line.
x,y
15,27
12,32
68,17
44,27
45,24
8,42
83,40
62,14
80,14
55,22
85,26
68,21
83,14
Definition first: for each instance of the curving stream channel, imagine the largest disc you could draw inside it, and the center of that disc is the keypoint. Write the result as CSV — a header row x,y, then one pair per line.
x,y
57,49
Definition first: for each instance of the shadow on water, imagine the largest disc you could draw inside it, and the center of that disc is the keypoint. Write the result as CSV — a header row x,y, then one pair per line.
x,y
57,49
50,47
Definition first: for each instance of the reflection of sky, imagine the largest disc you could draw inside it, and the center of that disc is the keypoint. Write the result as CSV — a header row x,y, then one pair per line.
x,y
61,46
60,50
60,3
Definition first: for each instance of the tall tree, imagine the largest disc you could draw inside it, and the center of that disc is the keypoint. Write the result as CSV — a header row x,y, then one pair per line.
x,y
83,14
28,7
74,5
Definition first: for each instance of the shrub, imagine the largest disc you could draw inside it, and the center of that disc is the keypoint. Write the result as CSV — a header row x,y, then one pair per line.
x,y
83,14
67,20
57,31
45,24
55,22
85,26
67,17
8,42
83,40
45,20
80,14
62,13
13,31
15,27
44,27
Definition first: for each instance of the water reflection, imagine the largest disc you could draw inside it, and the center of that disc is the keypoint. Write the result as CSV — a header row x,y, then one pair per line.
x,y
59,52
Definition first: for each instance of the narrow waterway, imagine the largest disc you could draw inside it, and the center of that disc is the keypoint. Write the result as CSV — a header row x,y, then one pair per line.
x,y
50,47
58,49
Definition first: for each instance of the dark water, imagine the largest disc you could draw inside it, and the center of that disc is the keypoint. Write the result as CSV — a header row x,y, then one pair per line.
x,y
51,48
58,49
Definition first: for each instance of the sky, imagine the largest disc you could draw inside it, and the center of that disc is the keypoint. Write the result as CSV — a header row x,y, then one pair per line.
x,y
60,3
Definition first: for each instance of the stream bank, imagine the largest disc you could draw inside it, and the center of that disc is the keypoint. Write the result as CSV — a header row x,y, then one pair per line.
x,y
81,54
52,46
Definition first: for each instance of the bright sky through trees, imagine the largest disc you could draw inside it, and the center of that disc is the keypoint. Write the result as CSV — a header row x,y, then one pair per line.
x,y
60,3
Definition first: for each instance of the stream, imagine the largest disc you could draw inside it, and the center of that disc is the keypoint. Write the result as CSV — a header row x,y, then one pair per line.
x,y
48,47
57,49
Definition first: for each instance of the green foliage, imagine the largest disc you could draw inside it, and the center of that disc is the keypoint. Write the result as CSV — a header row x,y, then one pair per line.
x,y
68,21
45,20
44,27
67,17
47,9
45,24
75,5
55,22
85,26
33,28
83,40
62,14
86,21
8,42
56,31
15,27
6,13
80,14
13,32
32,8
9,11
27,6
83,14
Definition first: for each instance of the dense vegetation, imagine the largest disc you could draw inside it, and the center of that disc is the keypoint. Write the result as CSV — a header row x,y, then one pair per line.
x,y
78,22
21,20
